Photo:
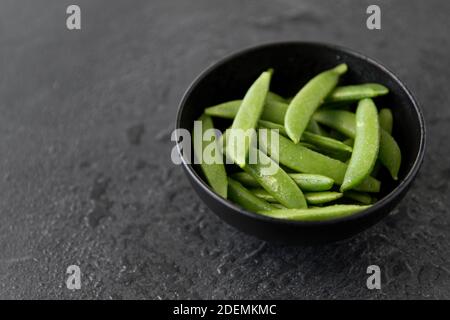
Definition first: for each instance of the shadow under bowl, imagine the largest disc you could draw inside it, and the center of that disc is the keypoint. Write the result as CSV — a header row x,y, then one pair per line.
x,y
294,63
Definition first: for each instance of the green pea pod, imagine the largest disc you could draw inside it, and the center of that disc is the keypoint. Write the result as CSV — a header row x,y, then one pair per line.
x,y
312,182
357,92
349,142
311,197
315,214
338,155
390,155
325,142
337,135
365,147
227,110
247,117
243,197
274,111
263,194
306,182
308,99
361,197
310,146
301,159
322,197
344,122
386,120
314,127
278,183
272,125
275,97
246,179
320,142
339,120
214,172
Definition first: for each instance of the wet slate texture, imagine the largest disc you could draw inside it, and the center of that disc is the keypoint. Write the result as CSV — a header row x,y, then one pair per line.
x,y
85,170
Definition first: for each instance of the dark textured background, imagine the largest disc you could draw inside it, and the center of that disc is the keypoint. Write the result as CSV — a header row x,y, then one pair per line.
x,y
85,171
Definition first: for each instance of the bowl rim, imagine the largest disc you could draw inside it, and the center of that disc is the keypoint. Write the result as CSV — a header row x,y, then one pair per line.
x,y
399,189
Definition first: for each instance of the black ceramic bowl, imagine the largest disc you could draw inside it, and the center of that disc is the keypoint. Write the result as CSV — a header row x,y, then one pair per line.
x,y
294,64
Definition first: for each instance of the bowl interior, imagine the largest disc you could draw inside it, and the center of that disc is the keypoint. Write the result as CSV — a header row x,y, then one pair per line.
x,y
294,64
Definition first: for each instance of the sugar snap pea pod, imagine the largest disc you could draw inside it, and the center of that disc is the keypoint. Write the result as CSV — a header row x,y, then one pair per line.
x,y
344,121
339,120
312,182
335,154
227,110
308,99
389,147
366,145
311,197
390,155
310,146
322,197
348,142
243,197
263,194
278,183
357,92
325,142
386,120
275,97
274,111
214,172
306,182
248,115
315,214
304,160
361,197
246,179
272,125
337,135
314,127
278,206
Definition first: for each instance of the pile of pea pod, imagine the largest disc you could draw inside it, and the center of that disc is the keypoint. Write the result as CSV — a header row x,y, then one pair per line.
x,y
328,156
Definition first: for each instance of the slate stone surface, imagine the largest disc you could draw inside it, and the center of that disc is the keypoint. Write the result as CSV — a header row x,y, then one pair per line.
x,y
85,171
